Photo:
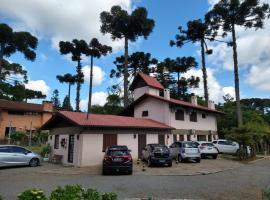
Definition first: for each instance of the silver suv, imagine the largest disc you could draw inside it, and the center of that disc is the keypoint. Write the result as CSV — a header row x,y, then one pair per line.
x,y
185,150
11,155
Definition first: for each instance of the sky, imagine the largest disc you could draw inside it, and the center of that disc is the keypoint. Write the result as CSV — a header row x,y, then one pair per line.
x,y
52,21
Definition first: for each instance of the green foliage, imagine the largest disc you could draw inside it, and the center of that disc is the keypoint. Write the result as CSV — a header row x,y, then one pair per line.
x,y
266,194
66,104
32,194
137,62
1,198
46,150
55,99
18,136
109,196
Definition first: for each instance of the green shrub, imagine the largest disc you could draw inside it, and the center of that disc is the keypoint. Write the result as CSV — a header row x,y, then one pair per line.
x,y
69,192
45,150
266,194
32,194
18,136
1,198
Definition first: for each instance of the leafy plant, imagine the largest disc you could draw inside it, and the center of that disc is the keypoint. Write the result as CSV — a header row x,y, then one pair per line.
x,y
46,150
32,194
266,194
18,136
109,196
1,198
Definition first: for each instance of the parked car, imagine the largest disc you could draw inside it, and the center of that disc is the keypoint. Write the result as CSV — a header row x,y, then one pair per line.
x,y
207,149
117,159
157,154
185,150
226,146
12,155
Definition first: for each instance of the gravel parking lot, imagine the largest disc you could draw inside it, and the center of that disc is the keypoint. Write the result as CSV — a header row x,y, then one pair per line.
x,y
242,182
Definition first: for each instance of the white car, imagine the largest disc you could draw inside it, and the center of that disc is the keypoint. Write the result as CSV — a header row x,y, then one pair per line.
x,y
226,146
207,149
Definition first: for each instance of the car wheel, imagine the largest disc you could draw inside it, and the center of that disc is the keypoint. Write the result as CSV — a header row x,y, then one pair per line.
x,y
130,172
180,159
169,164
149,164
104,172
34,162
215,156
198,160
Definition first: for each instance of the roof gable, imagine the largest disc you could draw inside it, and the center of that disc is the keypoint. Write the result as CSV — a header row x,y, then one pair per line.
x,y
141,80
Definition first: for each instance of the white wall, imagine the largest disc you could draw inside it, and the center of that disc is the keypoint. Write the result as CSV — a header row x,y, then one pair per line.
x,y
151,138
130,141
92,150
138,92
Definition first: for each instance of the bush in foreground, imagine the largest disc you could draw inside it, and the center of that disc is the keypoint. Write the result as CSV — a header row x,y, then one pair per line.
x,y
69,192
266,194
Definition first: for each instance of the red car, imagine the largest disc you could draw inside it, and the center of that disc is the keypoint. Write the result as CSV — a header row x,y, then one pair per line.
x,y
117,159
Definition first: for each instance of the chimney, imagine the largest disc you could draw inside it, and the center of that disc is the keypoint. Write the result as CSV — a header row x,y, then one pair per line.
x,y
167,94
194,100
211,105
47,106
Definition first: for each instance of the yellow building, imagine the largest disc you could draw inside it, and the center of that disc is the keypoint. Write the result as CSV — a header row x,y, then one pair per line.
x,y
21,116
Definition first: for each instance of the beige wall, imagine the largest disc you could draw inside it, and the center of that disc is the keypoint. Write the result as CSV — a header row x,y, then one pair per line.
x,y
88,149
21,122
138,92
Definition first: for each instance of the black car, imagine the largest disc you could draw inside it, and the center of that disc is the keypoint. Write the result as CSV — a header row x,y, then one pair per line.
x,y
117,159
157,154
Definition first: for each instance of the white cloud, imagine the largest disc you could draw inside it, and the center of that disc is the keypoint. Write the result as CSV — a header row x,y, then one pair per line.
x,y
62,20
98,74
253,55
38,85
98,98
215,90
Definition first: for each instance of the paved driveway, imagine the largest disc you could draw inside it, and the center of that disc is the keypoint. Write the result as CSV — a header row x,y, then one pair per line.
x,y
243,182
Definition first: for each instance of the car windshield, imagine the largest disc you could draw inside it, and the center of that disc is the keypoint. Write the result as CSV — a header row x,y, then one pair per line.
x,y
160,148
207,144
190,145
118,153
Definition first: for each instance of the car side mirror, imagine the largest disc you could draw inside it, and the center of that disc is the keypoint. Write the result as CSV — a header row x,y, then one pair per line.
x,y
129,150
103,151
144,149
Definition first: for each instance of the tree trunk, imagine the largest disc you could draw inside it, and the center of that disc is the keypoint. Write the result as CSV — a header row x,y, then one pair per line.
x,y
126,74
69,87
236,79
1,60
178,84
79,71
204,72
90,88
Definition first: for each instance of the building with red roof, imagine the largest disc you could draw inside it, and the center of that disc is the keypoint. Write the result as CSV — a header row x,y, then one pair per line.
x,y
154,117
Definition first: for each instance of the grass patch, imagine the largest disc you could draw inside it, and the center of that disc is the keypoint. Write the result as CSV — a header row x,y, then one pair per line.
x,y
235,158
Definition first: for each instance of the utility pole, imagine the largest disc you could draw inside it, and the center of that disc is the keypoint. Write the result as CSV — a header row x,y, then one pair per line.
x,y
9,132
30,135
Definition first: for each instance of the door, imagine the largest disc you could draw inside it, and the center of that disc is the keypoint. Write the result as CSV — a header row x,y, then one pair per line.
x,y
18,156
109,140
161,139
5,156
141,144
70,148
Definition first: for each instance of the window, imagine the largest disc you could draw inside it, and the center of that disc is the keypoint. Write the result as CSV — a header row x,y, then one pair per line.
x,y
193,116
188,137
145,113
11,112
203,115
209,138
9,129
4,149
56,141
18,150
179,115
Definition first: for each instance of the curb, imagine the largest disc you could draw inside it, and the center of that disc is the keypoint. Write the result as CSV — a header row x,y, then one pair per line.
x,y
263,158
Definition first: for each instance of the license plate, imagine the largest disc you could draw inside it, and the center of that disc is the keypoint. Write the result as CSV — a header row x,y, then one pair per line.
x,y
209,148
162,161
117,159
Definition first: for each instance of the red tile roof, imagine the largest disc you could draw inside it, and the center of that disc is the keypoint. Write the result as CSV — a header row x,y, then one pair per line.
x,y
149,81
20,106
99,120
177,102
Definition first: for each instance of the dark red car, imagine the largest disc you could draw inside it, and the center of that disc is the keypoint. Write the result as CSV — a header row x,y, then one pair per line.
x,y
117,159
